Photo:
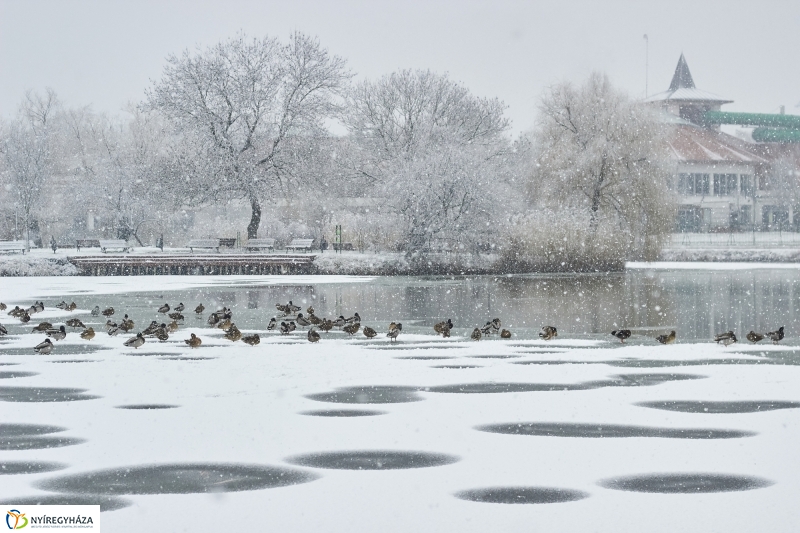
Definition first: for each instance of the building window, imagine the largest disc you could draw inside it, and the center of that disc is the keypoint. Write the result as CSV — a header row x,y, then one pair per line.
x,y
693,184
746,182
774,218
724,184
690,219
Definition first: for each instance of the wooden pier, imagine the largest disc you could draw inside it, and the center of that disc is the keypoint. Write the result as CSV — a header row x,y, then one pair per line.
x,y
197,265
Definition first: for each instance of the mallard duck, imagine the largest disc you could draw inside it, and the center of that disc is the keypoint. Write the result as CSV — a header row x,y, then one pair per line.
x,y
487,329
369,332
476,334
292,326
776,336
43,326
394,330
88,333
71,307
3,306
176,316
149,330
292,308
31,310
25,317
443,327
126,324
62,305
113,332
302,321
353,319
310,310
284,328
252,340
496,325
193,341
225,324
135,342
315,320
725,338
352,329
39,306
180,307
284,310
75,323
214,319
164,309
667,339
3,330
548,333
96,310
313,336
622,334
326,325
108,312
272,324
754,337
233,333
110,325
505,334
162,334
172,327
199,309
44,347
57,334
340,322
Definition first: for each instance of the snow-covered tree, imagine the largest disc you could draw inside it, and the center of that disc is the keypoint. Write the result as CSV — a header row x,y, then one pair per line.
x,y
244,110
432,152
599,154
29,156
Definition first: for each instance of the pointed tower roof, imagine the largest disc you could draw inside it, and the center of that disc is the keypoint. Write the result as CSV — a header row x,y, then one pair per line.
x,y
683,89
682,79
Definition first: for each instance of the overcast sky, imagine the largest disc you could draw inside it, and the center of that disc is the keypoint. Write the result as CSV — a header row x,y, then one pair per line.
x,y
106,52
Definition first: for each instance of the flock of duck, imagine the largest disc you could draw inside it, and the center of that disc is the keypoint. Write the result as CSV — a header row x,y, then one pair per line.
x,y
290,317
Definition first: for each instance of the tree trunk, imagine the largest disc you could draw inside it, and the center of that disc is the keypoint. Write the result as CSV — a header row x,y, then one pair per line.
x,y
255,218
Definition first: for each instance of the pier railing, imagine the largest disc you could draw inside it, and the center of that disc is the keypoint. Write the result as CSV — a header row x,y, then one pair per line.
x,y
216,264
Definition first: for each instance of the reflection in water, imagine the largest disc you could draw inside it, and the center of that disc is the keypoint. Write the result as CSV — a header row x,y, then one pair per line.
x,y
697,304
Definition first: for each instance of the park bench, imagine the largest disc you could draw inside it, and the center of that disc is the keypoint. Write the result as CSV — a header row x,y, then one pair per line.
x,y
345,246
206,244
116,244
87,243
300,244
12,246
227,243
260,244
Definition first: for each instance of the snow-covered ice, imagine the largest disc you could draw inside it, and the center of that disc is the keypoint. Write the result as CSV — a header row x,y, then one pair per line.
x,y
234,404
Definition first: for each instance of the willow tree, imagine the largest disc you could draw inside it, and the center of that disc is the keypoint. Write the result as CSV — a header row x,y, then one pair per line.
x,y
243,109
600,153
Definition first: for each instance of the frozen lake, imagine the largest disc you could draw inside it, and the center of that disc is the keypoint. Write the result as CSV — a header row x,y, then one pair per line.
x,y
428,434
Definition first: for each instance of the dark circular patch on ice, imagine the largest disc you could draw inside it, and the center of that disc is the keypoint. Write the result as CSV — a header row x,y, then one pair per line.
x,y
719,407
685,483
647,380
106,503
368,394
495,356
189,478
33,437
522,495
426,357
343,413
372,460
26,467
146,406
15,374
493,388
598,431
457,367
43,394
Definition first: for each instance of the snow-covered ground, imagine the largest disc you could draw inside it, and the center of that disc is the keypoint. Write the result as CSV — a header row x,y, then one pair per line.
x,y
235,404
